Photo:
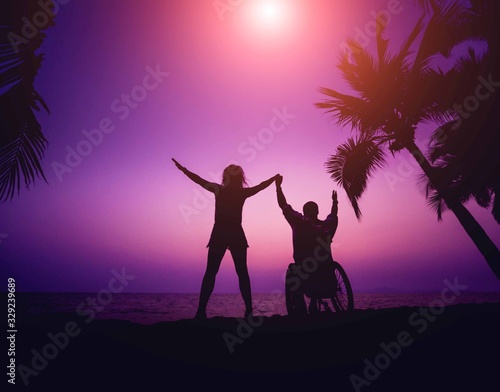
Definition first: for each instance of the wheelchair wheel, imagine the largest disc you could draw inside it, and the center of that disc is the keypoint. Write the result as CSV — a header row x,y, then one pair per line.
x,y
344,299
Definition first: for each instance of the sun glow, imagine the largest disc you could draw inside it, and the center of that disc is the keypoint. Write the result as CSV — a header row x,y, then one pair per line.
x,y
270,14
270,11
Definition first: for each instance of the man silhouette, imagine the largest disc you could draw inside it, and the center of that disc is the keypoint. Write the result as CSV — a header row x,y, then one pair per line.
x,y
311,246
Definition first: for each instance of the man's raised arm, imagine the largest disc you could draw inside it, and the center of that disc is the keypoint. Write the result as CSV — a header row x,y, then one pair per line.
x,y
333,218
335,203
279,193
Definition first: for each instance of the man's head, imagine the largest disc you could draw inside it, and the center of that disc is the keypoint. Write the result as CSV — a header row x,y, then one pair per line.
x,y
311,210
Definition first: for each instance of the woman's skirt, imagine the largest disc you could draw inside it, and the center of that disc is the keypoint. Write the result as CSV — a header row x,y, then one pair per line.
x,y
228,236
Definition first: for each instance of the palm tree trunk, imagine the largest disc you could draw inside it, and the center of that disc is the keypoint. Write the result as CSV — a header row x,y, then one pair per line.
x,y
485,245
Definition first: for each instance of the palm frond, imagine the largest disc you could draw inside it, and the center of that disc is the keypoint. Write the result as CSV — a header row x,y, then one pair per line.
x,y
483,197
21,158
348,110
444,31
427,91
352,165
429,6
22,143
440,142
435,201
464,166
358,68
410,40
382,43
482,21
381,87
496,204
457,188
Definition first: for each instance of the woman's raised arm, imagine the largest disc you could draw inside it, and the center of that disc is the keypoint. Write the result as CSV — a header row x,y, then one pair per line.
x,y
263,185
209,186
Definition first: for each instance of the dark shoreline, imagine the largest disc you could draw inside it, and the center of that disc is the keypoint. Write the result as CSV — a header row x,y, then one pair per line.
x,y
453,347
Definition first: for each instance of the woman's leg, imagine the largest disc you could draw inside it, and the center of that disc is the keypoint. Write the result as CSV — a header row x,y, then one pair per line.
x,y
215,255
240,263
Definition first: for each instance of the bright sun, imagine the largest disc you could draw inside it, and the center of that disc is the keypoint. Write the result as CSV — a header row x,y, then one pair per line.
x,y
270,20
270,13
269,10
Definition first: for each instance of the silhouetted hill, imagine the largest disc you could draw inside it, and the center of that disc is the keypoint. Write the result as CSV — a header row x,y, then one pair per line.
x,y
392,349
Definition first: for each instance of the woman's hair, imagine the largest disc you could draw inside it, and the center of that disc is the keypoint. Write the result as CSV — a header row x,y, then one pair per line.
x,y
234,176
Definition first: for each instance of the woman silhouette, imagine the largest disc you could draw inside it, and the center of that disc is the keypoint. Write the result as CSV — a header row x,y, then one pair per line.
x,y
227,232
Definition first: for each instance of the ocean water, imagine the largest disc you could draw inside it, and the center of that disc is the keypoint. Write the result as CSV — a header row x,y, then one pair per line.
x,y
153,308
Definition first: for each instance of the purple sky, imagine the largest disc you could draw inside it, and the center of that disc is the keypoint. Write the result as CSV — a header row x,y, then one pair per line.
x,y
178,79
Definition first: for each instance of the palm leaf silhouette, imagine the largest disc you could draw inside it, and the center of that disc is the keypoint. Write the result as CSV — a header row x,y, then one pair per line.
x,y
352,165
22,143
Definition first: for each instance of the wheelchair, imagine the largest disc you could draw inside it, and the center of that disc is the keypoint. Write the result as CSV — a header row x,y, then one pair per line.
x,y
325,284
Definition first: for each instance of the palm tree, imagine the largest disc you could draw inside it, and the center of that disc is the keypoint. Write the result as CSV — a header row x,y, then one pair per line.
x,y
465,150
396,93
22,143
